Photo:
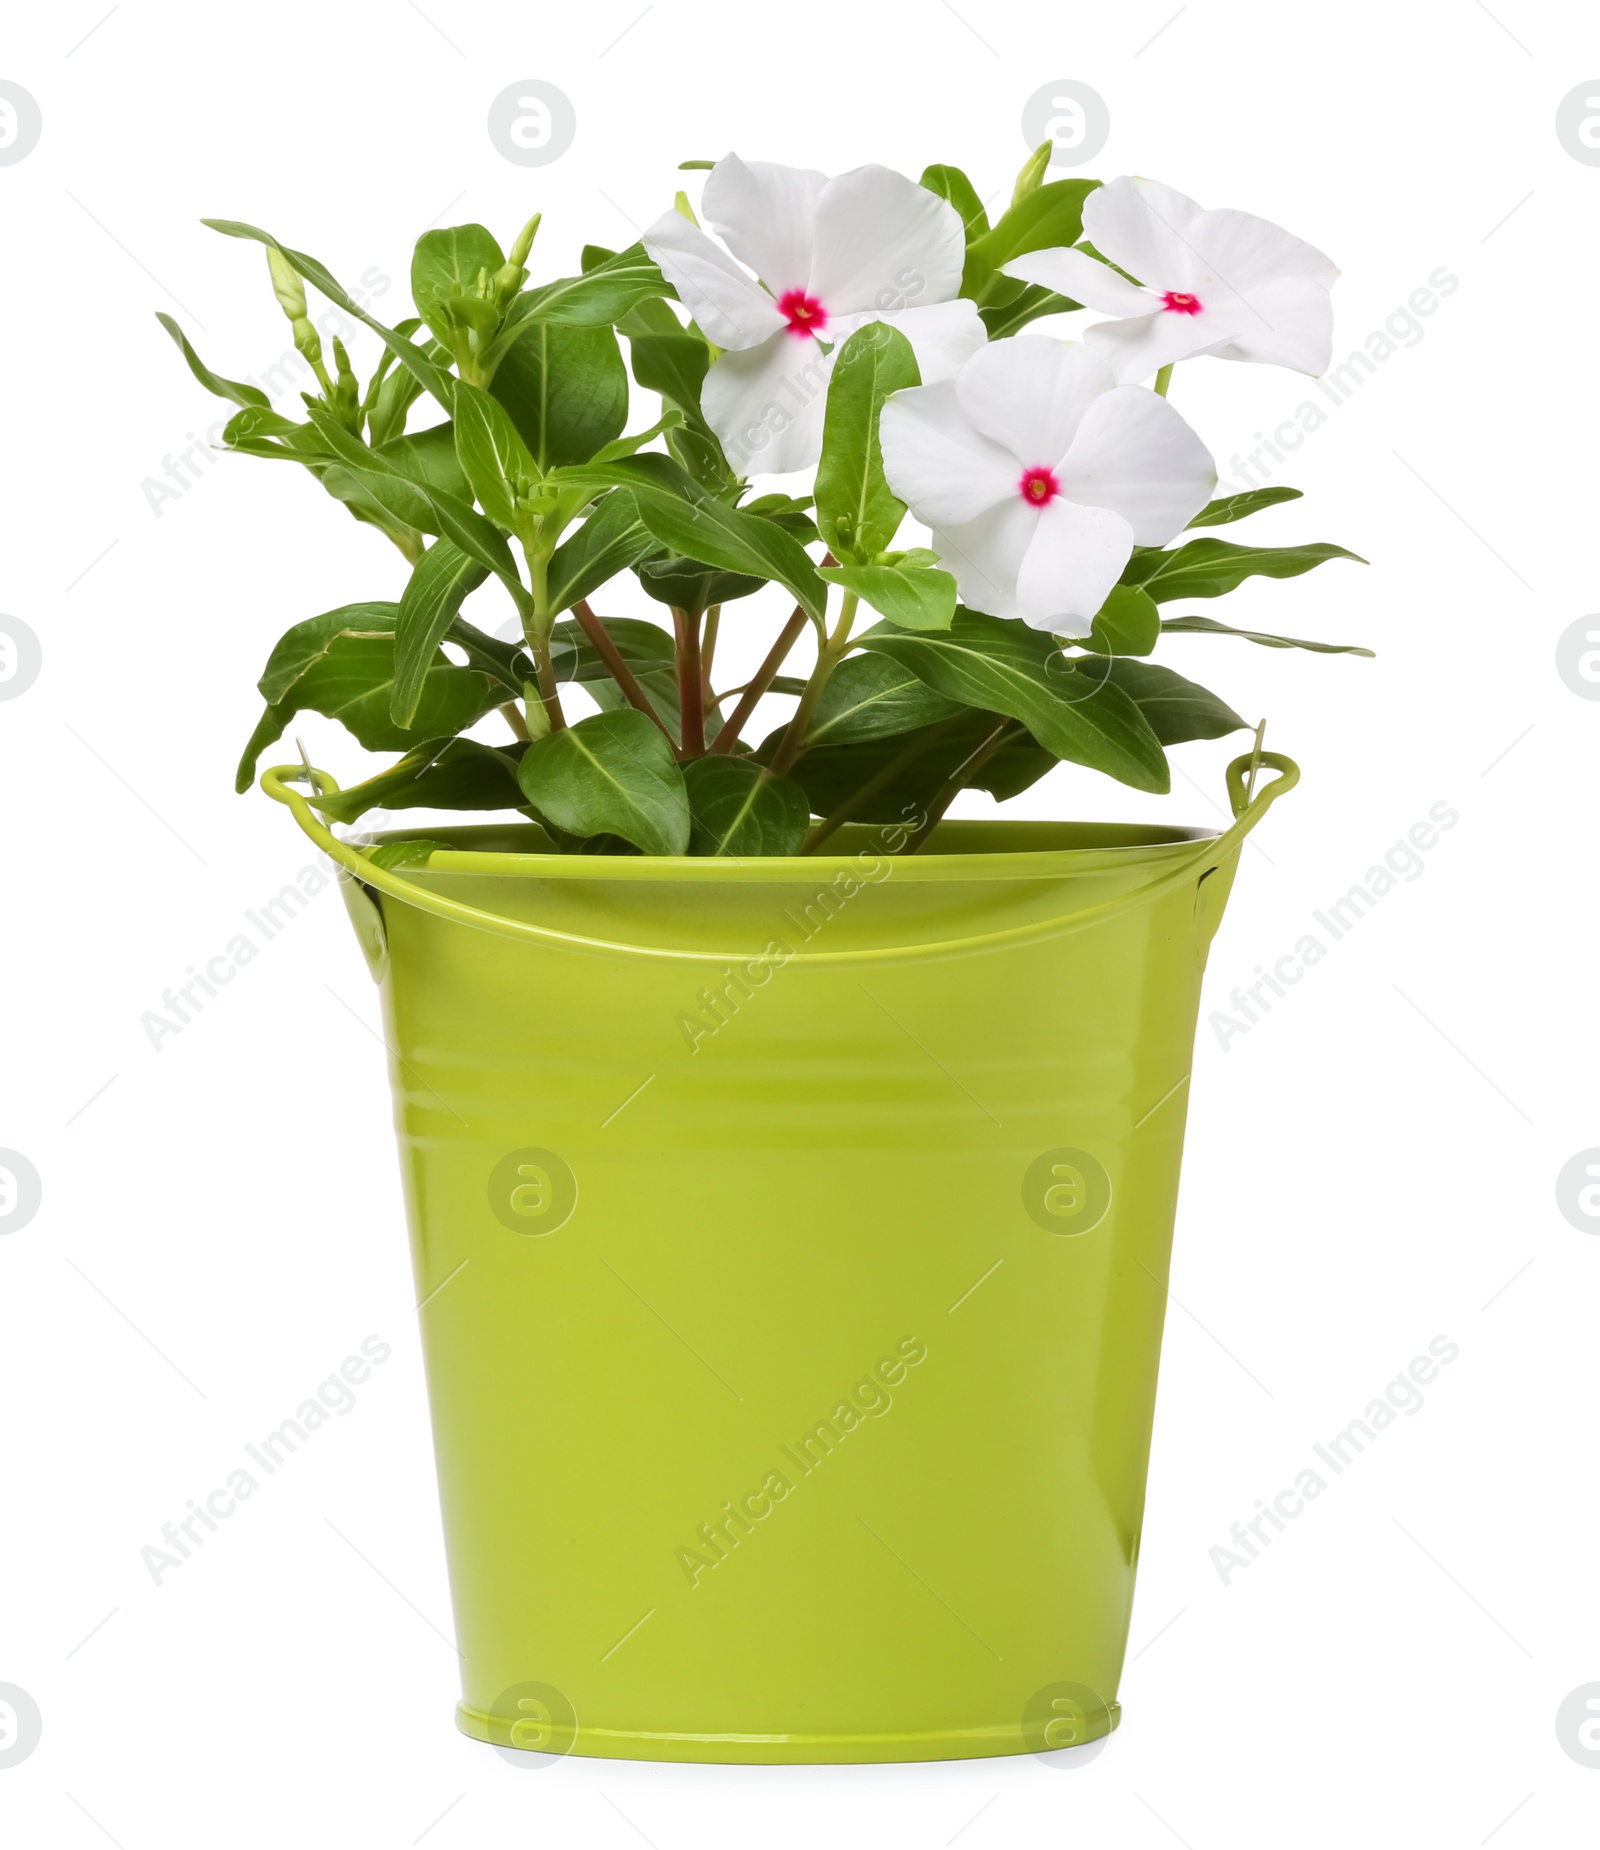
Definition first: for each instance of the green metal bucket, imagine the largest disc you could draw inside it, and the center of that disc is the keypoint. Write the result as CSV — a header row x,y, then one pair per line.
x,y
790,1237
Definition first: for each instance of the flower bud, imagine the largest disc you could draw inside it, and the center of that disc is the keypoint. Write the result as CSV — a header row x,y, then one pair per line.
x,y
1033,171
286,285
519,251
307,340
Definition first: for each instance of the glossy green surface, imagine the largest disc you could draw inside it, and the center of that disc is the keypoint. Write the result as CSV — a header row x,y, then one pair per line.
x,y
666,1223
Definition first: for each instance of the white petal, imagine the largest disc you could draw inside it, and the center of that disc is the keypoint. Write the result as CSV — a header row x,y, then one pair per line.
x,y
1290,323
1141,225
766,404
943,336
987,553
1135,455
765,214
1075,556
1030,393
1136,348
883,242
1075,274
946,472
731,308
1246,251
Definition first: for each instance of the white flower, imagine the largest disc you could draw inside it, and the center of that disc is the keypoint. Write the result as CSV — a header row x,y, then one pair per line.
x,y
1221,283
1039,474
868,245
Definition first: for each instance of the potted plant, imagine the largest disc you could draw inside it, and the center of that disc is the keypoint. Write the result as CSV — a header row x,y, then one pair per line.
x,y
791,1169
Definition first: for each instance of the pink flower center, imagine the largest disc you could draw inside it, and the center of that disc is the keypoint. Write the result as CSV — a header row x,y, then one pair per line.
x,y
804,313
1175,302
1038,486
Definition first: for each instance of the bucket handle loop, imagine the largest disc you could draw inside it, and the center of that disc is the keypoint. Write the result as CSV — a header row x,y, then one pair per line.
x,y
1208,856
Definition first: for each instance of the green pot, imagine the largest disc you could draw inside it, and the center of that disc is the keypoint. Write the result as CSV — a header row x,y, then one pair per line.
x,y
790,1238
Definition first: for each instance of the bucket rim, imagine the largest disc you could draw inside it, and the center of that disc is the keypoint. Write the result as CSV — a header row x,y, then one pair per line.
x,y
1159,842
1176,864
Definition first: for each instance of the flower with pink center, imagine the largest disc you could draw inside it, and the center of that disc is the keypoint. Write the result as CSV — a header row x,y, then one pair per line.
x,y
803,262
1222,283
1039,474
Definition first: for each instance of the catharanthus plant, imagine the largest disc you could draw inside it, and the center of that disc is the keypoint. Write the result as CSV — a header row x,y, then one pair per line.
x,y
919,363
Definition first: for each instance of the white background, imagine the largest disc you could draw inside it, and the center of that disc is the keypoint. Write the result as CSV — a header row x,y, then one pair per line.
x,y
1370,1166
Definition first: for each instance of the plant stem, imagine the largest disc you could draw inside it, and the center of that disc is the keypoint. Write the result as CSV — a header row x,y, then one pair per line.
x,y
707,653
858,799
538,620
691,682
605,647
1163,379
957,782
549,688
512,715
765,675
828,657
708,650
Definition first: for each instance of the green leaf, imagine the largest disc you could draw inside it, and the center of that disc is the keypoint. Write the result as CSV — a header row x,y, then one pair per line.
x,y
439,774
611,540
399,390
420,504
598,298
857,514
643,646
506,661
1227,508
341,664
566,390
737,807
933,755
493,455
674,362
1206,626
689,584
1003,666
1209,568
635,441
686,518
432,378
1048,217
429,456
953,186
869,697
1011,316
258,430
213,382
611,774
445,270
439,581
1128,623
1177,710
917,597
307,643
791,512
413,853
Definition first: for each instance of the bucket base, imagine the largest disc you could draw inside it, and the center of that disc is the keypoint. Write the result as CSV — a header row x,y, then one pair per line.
x,y
774,1749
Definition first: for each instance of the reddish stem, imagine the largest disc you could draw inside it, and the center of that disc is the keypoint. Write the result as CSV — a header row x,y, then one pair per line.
x,y
621,673
765,675
691,683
